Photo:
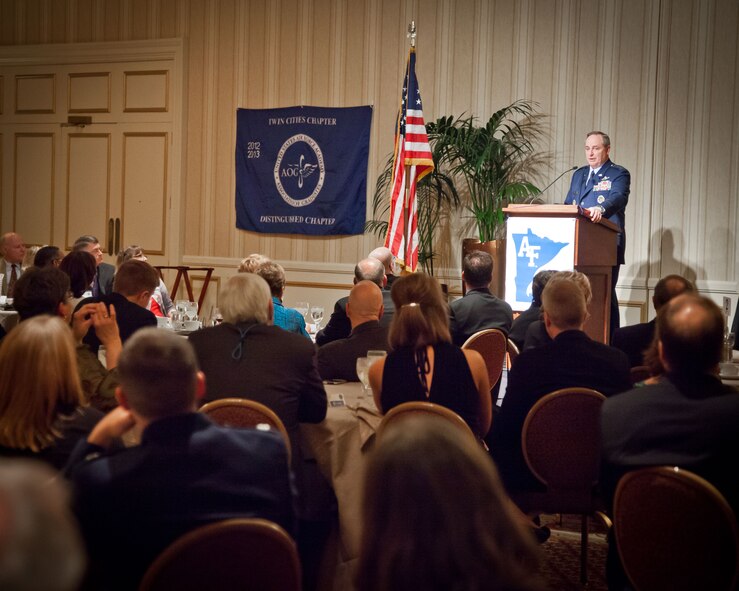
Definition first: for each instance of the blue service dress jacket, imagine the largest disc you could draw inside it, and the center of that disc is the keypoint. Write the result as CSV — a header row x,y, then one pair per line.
x,y
610,190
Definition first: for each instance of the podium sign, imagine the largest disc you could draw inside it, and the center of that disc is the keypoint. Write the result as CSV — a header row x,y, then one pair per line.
x,y
535,244
561,238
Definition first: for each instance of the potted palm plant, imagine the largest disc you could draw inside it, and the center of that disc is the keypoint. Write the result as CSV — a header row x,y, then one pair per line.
x,y
493,160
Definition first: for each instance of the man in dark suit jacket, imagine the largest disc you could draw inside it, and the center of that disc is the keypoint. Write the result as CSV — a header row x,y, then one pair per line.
x,y
248,357
572,359
478,309
338,359
132,289
688,419
187,472
102,284
339,326
603,187
634,340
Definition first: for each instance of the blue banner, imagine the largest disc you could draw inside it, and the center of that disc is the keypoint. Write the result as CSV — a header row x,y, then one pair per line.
x,y
302,170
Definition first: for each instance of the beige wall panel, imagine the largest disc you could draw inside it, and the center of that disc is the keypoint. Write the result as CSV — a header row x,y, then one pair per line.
x,y
138,15
224,218
500,76
57,17
144,191
88,190
35,94
33,32
168,19
256,56
319,84
84,20
286,71
112,20
2,94
33,195
146,91
88,92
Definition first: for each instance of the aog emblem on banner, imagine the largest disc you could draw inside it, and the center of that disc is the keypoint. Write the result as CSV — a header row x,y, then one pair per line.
x,y
302,170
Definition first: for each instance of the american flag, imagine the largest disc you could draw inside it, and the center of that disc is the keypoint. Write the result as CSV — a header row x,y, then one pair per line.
x,y
412,158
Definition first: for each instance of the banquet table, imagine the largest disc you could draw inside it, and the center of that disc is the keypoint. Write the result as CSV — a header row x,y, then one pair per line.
x,y
339,445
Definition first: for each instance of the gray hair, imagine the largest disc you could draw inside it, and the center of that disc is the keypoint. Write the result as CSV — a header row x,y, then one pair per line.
x,y
604,136
40,546
245,298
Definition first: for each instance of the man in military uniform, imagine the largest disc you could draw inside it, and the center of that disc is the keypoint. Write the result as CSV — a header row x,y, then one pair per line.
x,y
602,187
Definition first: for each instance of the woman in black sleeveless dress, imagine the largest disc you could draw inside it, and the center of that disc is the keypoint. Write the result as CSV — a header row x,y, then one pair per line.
x,y
424,365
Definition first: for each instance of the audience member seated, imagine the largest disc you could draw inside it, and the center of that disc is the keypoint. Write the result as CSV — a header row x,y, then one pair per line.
x,y
572,359
187,471
134,283
81,268
42,409
424,364
287,319
46,291
12,251
533,313
478,309
339,326
30,255
160,303
536,333
635,340
437,518
338,359
48,256
247,357
40,545
251,263
689,419
387,258
103,282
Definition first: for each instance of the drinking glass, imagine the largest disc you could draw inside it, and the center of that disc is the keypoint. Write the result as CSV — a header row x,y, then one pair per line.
x,y
316,313
191,310
216,317
728,352
363,365
303,308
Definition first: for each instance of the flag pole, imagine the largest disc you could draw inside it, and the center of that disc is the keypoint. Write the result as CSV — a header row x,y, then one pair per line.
x,y
406,196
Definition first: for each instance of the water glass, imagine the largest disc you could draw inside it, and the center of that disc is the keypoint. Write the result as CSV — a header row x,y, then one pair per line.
x,y
728,352
303,308
363,365
316,314
216,317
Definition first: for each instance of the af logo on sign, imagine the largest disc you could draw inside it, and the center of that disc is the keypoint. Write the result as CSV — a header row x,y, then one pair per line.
x,y
535,244
298,161
302,170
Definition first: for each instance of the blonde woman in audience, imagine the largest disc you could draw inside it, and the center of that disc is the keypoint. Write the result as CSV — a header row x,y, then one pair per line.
x,y
251,263
436,516
161,303
42,413
424,364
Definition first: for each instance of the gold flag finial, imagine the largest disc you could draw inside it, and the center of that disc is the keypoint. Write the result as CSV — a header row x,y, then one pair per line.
x,y
412,33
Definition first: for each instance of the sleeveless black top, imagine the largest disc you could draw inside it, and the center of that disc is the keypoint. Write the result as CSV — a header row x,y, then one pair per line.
x,y
452,385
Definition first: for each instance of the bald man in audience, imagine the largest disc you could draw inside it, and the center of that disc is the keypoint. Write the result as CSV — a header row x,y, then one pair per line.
x,y
688,419
338,359
186,472
634,340
571,359
339,326
387,258
12,251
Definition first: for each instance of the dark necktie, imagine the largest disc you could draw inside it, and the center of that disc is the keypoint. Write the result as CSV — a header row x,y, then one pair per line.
x,y
12,280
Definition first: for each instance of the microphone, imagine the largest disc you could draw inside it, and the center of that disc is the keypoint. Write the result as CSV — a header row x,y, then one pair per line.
x,y
555,180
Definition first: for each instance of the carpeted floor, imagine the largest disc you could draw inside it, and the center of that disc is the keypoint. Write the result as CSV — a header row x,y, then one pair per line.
x,y
562,554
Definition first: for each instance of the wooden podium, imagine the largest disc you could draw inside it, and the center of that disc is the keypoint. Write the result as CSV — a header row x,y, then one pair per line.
x,y
594,255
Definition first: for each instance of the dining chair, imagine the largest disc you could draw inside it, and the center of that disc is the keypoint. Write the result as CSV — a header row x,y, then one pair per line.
x,y
674,530
244,413
409,409
491,343
511,353
561,445
183,272
229,555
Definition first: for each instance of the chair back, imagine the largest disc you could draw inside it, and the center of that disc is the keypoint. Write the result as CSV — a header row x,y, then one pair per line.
x,y
491,344
408,409
639,373
511,353
228,555
675,531
561,441
244,413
